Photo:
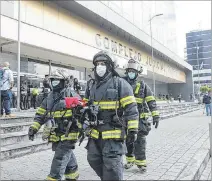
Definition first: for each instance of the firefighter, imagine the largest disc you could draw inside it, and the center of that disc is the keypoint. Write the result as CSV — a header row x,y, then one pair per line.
x,y
136,153
60,128
110,98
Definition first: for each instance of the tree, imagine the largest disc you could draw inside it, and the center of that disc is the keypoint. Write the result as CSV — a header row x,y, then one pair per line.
x,y
205,89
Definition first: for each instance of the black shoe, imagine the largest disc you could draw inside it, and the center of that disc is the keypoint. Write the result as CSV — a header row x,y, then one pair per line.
x,y
142,168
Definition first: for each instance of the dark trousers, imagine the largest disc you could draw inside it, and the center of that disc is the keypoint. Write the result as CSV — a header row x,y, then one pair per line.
x,y
64,162
5,102
138,149
34,101
105,157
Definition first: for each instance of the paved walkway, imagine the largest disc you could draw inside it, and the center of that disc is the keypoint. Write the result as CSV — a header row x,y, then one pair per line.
x,y
169,150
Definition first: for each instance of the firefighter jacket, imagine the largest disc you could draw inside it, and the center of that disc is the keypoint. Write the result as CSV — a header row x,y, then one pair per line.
x,y
54,107
113,94
144,98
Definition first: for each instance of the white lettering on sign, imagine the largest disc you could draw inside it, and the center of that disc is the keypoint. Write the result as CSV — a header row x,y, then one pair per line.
x,y
117,48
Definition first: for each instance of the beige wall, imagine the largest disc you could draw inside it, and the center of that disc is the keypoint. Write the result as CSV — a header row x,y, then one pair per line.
x,y
77,37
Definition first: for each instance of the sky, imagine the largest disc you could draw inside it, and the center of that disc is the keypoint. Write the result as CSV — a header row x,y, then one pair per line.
x,y
191,15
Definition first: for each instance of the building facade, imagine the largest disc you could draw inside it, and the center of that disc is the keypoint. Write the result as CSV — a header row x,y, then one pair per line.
x,y
67,34
199,55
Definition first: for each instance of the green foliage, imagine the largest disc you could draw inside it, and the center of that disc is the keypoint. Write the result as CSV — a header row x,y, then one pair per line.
x,y
205,89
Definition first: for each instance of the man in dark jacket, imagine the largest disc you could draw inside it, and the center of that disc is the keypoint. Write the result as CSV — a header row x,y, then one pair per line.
x,y
114,104
207,102
136,153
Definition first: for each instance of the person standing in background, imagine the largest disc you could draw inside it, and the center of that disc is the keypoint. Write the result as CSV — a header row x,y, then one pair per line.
x,y
35,93
207,102
6,84
179,97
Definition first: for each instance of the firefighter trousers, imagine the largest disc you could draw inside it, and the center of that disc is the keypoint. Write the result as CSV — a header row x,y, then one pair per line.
x,y
136,152
64,162
105,157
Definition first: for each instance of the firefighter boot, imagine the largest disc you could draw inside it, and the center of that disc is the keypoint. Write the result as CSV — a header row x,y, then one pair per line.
x,y
128,165
142,165
142,168
68,179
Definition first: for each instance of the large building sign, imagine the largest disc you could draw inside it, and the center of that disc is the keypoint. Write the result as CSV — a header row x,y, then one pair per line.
x,y
127,52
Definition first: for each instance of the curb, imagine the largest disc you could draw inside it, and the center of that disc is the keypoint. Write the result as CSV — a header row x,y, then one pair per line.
x,y
202,167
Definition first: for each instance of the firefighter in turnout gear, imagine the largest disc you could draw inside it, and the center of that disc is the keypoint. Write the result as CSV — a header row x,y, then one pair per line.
x,y
59,127
136,153
111,99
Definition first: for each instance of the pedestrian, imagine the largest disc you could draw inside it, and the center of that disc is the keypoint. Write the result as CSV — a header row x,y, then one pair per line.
x,y
46,83
207,102
63,135
167,98
114,103
77,86
179,98
35,93
136,153
6,84
191,96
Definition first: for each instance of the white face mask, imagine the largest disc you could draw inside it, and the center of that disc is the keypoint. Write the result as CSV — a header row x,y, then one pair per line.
x,y
101,70
55,83
132,75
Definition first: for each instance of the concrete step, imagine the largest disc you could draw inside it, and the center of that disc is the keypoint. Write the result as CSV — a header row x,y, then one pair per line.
x,y
14,127
21,149
19,119
17,137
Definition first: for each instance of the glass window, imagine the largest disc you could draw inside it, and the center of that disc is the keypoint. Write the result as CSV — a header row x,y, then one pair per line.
x,y
200,56
202,75
201,49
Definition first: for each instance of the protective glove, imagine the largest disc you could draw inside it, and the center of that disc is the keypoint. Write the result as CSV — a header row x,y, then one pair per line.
x,y
156,121
32,133
131,137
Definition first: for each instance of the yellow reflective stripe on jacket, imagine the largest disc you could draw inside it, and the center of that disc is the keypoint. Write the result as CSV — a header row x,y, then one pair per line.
x,y
71,136
59,114
130,159
56,114
36,125
68,113
155,113
49,178
74,175
138,85
140,162
86,100
112,134
107,104
94,134
54,138
139,100
41,111
132,124
144,115
127,100
150,98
